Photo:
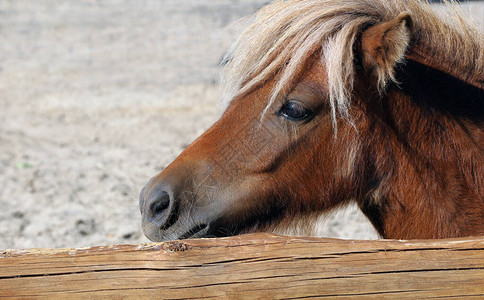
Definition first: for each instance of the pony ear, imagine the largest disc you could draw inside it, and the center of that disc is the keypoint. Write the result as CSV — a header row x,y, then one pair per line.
x,y
384,45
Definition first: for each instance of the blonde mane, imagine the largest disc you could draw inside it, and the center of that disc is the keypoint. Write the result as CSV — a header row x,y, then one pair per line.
x,y
286,33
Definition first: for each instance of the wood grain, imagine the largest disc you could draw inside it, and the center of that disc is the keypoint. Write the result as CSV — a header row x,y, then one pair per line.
x,y
256,266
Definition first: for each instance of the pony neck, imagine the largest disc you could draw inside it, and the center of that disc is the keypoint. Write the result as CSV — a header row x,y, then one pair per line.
x,y
449,65
430,163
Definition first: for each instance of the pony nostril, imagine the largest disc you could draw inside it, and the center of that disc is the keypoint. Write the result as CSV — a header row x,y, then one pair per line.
x,y
160,205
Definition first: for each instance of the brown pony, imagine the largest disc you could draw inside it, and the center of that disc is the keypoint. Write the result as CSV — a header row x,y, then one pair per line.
x,y
377,102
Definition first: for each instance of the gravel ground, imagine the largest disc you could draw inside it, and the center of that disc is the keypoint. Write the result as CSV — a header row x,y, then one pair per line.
x,y
98,96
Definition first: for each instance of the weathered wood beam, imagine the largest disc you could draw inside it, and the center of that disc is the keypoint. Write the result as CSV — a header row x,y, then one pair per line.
x,y
250,266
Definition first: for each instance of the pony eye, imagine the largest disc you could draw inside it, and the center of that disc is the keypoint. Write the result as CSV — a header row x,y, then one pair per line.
x,y
294,111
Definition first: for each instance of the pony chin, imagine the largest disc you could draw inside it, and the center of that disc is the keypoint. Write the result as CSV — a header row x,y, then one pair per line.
x,y
298,225
318,224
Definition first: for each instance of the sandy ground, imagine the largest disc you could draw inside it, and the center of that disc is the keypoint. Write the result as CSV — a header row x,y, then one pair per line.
x,y
98,96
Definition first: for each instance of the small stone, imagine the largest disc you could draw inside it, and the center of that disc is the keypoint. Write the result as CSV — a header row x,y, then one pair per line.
x,y
85,227
18,214
128,235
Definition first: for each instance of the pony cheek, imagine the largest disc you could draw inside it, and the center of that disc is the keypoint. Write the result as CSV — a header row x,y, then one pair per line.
x,y
250,206
254,151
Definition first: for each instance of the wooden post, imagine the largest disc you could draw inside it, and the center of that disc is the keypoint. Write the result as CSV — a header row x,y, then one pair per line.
x,y
251,267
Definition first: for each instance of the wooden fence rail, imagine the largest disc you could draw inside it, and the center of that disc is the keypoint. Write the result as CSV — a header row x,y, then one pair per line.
x,y
250,267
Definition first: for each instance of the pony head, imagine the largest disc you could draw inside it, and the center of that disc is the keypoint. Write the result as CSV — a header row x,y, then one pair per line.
x,y
302,131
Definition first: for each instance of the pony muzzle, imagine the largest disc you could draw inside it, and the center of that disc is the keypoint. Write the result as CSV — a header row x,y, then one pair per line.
x,y
165,215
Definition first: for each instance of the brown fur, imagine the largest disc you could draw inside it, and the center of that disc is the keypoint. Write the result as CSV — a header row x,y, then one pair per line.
x,y
426,153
